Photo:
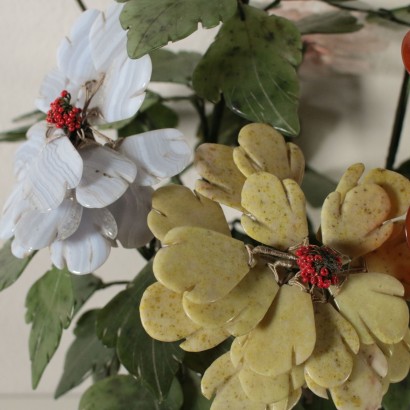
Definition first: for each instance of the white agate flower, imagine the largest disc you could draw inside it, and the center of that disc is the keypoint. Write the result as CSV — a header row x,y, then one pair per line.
x,y
74,193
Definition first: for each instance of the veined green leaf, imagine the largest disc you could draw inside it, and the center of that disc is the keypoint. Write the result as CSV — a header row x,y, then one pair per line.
x,y
316,187
50,304
119,324
330,22
11,267
398,396
172,67
193,398
252,62
152,24
86,355
83,287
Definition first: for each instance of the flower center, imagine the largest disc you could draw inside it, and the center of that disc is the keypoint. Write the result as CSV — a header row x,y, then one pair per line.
x,y
64,115
319,265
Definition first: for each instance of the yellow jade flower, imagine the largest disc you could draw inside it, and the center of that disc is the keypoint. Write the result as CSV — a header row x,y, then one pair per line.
x,y
301,315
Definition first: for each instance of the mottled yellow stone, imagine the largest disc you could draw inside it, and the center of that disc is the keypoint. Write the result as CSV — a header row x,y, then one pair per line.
x,y
362,391
349,179
241,309
355,226
397,187
265,389
287,403
286,335
276,213
238,349
399,363
222,181
393,258
262,148
318,390
204,339
162,315
176,205
205,264
336,341
373,304
375,358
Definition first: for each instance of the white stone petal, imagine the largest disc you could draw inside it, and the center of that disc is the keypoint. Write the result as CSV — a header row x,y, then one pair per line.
x,y
108,39
14,208
131,212
19,251
57,168
53,83
74,54
36,230
122,91
29,150
88,248
158,154
106,176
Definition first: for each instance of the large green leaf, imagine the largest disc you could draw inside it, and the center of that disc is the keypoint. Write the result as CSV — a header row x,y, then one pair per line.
x,y
172,67
15,135
330,22
252,62
316,187
50,304
119,325
87,355
83,287
193,398
11,267
152,24
398,396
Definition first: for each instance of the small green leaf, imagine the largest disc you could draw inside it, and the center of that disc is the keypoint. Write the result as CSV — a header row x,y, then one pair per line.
x,y
316,187
119,324
252,62
193,398
175,397
11,267
118,393
35,115
17,134
313,402
152,24
86,355
402,14
330,22
398,396
172,67
50,304
83,288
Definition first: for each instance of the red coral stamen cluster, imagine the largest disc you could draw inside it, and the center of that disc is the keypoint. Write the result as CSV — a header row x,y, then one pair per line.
x,y
63,115
319,265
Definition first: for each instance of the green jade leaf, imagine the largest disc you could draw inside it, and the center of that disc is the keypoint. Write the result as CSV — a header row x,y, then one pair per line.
x,y
329,23
11,267
119,324
252,63
83,287
152,25
172,67
87,355
50,304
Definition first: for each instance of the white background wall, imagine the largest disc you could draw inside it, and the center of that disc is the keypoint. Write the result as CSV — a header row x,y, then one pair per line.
x,y
357,129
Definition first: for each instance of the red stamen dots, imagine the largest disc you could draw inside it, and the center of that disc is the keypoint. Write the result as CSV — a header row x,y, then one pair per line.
x,y
63,115
319,265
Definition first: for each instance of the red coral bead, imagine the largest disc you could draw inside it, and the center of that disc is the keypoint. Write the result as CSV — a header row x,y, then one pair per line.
x,y
405,51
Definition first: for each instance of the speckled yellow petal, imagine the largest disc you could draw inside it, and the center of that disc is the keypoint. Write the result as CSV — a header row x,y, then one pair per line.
x,y
277,214
262,148
397,187
373,304
375,358
356,226
286,335
336,341
315,388
176,205
349,179
297,376
288,403
204,339
265,389
238,349
392,258
205,264
399,363
222,181
363,389
162,315
241,309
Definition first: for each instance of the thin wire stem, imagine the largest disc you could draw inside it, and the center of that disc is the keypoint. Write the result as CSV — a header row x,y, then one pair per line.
x,y
398,121
115,283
